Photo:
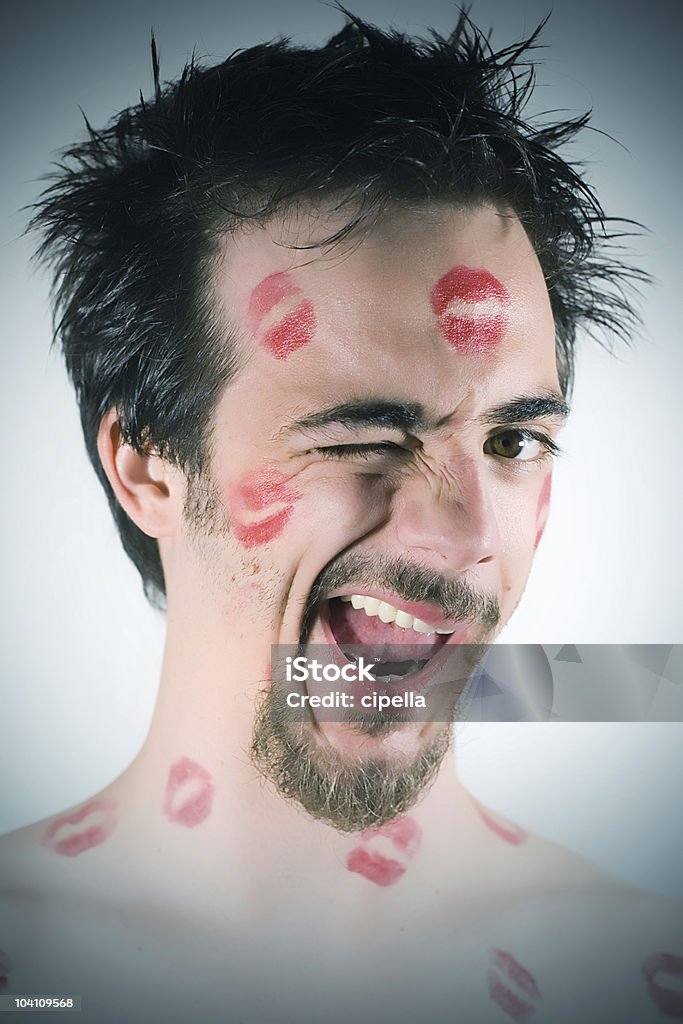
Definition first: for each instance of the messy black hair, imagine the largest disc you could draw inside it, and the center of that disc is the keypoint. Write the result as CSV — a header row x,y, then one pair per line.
x,y
133,217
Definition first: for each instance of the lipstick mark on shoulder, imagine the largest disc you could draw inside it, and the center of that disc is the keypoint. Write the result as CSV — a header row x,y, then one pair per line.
x,y
471,305
656,969
507,830
189,793
5,969
511,986
255,493
401,836
291,331
89,826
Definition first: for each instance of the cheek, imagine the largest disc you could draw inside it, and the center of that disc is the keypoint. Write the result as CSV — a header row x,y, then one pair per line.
x,y
73,834
542,508
260,506
188,798
281,318
471,306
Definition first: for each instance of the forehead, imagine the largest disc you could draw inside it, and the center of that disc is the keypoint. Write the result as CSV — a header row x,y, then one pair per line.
x,y
446,292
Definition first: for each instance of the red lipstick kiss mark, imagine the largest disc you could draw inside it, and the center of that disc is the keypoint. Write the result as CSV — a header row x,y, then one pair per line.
x,y
5,969
404,835
542,507
507,830
511,986
295,328
668,1000
471,307
75,833
189,793
256,492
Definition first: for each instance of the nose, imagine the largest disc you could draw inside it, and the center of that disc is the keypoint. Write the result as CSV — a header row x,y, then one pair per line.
x,y
449,515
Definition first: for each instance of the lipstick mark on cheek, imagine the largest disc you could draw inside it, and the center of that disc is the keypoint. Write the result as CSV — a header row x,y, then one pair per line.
x,y
511,986
367,860
189,793
255,493
73,834
5,969
662,966
471,306
506,830
542,507
294,329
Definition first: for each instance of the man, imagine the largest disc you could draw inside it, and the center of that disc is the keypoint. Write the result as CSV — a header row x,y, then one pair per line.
x,y
319,308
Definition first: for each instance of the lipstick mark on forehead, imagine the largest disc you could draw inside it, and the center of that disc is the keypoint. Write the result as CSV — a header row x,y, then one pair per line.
x,y
189,793
542,506
73,834
656,970
506,830
294,328
366,859
255,493
5,969
471,305
511,986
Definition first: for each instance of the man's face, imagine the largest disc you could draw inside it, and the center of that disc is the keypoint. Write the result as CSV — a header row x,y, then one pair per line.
x,y
380,442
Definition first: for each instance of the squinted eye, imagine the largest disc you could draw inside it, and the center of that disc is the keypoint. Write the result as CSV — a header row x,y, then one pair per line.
x,y
521,445
360,451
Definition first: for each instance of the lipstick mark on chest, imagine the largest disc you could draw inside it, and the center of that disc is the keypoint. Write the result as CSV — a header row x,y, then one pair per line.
x,y
73,834
281,320
189,793
507,830
511,986
383,853
471,306
542,508
5,969
657,970
255,494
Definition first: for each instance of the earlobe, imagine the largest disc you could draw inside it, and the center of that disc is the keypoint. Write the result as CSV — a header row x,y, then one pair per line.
x,y
146,486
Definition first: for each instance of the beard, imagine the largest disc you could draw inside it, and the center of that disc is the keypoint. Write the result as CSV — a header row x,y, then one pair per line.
x,y
352,796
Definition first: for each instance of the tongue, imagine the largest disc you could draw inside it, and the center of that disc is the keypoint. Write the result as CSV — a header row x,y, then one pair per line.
x,y
352,626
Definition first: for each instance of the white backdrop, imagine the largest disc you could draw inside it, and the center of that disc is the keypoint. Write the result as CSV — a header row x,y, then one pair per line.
x,y
81,649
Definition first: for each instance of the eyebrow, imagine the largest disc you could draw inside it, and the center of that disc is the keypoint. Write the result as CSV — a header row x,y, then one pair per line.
x,y
528,407
380,413
369,413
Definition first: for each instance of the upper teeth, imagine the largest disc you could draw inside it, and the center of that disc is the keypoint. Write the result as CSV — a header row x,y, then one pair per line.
x,y
387,613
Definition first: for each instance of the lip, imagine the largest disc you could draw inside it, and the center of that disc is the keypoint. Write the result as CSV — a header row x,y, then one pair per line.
x,y
98,821
669,1001
428,612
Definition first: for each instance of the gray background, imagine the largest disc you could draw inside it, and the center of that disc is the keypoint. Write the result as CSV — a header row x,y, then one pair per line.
x,y
80,648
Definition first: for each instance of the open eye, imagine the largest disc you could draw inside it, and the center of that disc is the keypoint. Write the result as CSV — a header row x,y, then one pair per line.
x,y
360,451
521,445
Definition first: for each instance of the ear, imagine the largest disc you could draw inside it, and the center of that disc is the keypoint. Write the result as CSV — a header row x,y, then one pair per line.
x,y
147,487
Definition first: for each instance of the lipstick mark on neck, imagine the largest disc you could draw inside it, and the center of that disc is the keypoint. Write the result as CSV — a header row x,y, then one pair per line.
x,y
255,493
662,966
511,986
471,305
73,834
189,793
291,331
542,508
5,969
402,836
507,830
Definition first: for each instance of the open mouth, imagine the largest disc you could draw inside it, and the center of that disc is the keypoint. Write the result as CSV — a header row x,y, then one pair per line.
x,y
400,643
